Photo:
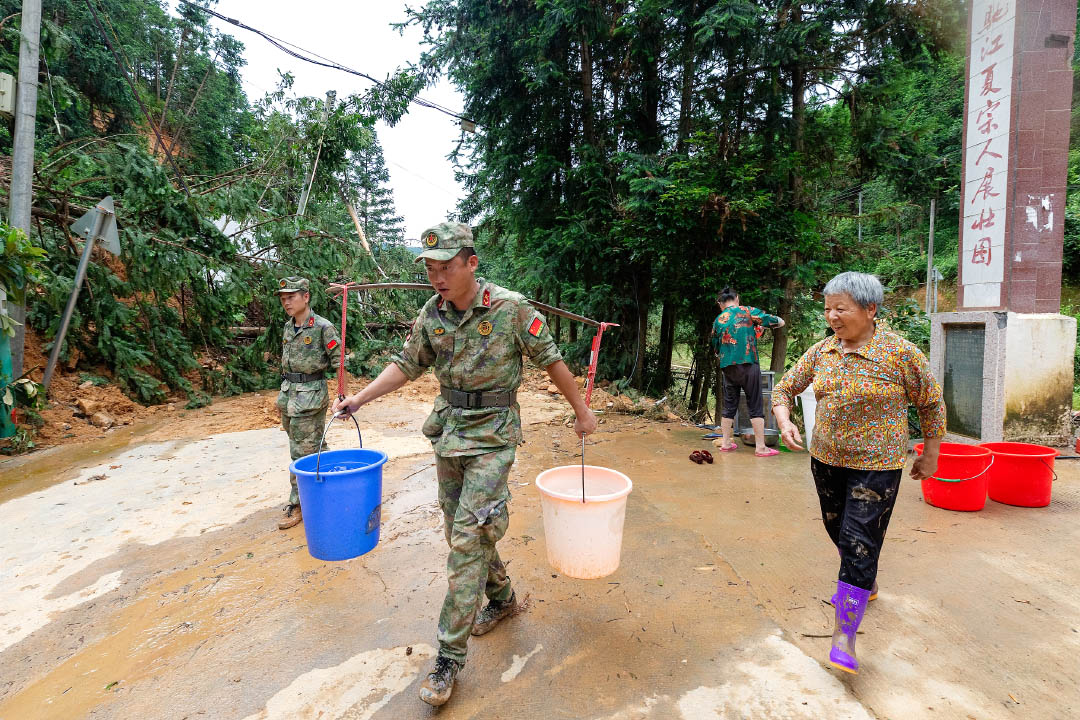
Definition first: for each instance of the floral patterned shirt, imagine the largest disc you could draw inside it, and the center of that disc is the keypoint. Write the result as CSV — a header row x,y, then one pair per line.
x,y
863,398
734,337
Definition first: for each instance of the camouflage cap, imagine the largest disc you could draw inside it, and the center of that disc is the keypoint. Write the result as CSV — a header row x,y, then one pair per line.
x,y
444,241
293,284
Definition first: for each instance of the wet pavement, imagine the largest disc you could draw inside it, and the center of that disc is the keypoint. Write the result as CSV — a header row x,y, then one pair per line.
x,y
148,580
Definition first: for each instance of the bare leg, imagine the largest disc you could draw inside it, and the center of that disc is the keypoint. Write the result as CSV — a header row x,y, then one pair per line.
x,y
727,427
759,433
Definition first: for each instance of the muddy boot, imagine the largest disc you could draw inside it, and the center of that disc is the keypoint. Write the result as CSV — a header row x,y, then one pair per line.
x,y
489,617
292,517
873,595
440,681
849,608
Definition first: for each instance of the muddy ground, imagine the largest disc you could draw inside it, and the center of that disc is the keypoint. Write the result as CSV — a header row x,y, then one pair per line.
x,y
143,577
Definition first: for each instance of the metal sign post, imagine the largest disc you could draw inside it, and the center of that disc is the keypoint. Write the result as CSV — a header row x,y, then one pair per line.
x,y
98,223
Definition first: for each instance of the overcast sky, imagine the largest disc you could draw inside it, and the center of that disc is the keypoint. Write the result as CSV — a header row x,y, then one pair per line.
x,y
357,34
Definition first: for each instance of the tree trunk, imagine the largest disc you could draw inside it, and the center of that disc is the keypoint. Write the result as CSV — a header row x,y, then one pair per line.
x,y
701,358
706,384
787,302
798,132
667,344
687,80
643,290
587,92
172,82
652,86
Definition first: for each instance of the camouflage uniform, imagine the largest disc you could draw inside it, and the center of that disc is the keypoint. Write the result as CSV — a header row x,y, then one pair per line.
x,y
309,350
478,350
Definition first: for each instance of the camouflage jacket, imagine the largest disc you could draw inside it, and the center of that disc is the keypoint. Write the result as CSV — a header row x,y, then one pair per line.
x,y
480,349
310,349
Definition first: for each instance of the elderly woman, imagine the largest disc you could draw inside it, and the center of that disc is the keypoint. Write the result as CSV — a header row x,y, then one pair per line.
x,y
864,378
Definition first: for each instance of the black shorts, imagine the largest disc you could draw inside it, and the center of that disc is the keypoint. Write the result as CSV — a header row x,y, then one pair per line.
x,y
746,377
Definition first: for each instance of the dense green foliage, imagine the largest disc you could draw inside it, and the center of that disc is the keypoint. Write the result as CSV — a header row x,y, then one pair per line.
x,y
161,318
634,158
630,160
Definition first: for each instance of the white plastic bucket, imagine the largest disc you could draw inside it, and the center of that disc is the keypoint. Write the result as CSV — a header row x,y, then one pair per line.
x,y
809,408
584,539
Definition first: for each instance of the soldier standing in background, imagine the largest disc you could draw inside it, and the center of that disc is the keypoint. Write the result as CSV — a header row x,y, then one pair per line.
x,y
475,334
308,345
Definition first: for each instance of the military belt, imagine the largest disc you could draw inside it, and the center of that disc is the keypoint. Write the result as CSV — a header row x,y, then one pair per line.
x,y
463,399
302,377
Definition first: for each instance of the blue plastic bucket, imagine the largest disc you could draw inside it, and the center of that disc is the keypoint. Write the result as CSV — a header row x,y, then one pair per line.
x,y
341,498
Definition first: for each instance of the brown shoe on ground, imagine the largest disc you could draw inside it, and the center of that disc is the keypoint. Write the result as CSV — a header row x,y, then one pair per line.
x,y
489,617
292,517
439,683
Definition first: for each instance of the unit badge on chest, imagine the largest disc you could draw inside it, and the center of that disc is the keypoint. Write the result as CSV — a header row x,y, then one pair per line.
x,y
307,340
439,331
484,328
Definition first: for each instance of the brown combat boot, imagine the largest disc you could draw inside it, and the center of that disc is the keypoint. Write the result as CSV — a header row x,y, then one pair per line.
x,y
440,681
489,617
292,517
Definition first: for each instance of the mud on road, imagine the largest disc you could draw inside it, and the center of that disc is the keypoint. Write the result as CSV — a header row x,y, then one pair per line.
x,y
143,576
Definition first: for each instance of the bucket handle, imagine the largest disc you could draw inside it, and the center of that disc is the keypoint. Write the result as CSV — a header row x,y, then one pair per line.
x,y
318,458
1051,468
985,469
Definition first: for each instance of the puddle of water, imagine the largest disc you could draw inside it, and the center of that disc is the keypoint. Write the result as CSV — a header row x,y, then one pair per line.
x,y
357,688
777,681
26,474
518,664
174,618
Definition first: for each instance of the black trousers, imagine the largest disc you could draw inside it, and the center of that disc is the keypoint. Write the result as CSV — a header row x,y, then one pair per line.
x,y
746,377
856,506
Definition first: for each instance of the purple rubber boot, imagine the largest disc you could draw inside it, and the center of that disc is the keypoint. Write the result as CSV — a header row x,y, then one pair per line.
x,y
850,606
873,595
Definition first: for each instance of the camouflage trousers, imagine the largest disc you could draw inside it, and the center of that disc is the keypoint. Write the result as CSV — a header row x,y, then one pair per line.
x,y
304,432
473,497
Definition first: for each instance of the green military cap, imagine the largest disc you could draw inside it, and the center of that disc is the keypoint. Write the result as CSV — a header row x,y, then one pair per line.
x,y
443,241
293,284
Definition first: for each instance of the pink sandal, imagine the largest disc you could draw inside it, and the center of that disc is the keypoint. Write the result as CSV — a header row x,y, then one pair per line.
x,y
730,448
767,452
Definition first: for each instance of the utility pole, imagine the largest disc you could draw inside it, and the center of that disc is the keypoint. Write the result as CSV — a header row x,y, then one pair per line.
x,y
930,259
860,218
21,194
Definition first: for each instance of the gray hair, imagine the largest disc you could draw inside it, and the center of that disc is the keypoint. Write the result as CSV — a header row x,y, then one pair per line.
x,y
863,288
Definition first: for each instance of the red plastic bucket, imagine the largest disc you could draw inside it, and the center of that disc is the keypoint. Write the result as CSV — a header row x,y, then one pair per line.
x,y
961,478
1023,474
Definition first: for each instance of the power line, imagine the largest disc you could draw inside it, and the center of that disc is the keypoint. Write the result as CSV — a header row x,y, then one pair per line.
x,y
308,56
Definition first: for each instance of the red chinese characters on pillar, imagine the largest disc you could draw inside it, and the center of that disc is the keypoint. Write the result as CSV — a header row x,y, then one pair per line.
x,y
988,80
985,117
981,252
986,159
994,14
986,151
986,220
986,187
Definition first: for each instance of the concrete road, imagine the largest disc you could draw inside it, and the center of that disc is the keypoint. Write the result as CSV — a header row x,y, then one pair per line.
x,y
151,582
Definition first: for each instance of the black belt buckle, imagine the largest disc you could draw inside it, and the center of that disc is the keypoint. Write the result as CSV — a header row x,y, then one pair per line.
x,y
462,399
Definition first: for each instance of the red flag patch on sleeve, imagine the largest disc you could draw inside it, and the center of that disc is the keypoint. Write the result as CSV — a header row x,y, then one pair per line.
x,y
537,327
331,345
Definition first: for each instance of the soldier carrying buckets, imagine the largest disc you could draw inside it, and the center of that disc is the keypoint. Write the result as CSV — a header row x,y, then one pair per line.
x,y
474,334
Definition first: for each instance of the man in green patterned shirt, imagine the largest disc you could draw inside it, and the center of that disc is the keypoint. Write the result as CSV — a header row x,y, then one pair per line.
x,y
734,340
475,335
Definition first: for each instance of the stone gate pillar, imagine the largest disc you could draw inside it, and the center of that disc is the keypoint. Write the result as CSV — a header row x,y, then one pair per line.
x,y
1005,358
